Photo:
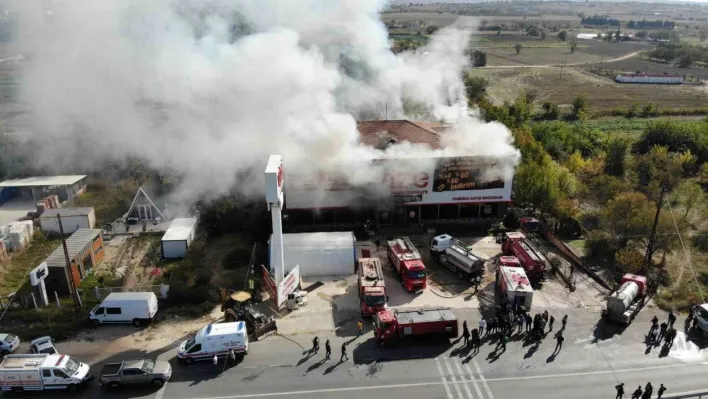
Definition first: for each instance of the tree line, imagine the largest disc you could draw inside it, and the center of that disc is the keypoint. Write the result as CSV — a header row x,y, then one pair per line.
x,y
653,24
599,20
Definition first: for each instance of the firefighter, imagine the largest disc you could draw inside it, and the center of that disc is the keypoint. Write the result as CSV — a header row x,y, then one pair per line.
x,y
315,345
344,353
637,393
465,334
672,318
328,350
662,331
620,391
654,324
551,319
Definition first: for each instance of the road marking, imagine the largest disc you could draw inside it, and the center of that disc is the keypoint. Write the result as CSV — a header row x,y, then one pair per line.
x,y
484,382
452,378
474,380
161,392
442,375
462,377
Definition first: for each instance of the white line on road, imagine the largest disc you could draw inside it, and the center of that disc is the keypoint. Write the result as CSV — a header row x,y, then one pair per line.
x,y
442,375
484,382
161,392
474,380
462,377
452,377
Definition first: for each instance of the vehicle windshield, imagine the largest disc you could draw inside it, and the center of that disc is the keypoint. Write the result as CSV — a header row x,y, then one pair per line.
x,y
72,366
10,338
48,350
148,365
190,343
374,300
416,274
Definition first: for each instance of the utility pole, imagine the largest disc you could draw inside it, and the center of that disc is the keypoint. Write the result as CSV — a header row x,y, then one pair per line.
x,y
563,65
650,246
69,273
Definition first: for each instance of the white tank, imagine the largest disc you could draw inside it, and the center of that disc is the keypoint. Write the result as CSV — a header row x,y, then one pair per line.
x,y
620,300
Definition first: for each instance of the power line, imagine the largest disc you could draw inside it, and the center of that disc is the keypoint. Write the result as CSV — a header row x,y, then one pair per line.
x,y
688,257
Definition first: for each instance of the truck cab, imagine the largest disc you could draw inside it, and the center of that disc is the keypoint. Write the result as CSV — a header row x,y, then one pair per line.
x,y
509,261
439,244
385,325
406,260
414,276
373,300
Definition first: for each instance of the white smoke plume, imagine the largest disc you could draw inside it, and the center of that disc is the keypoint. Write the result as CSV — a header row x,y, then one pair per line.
x,y
209,88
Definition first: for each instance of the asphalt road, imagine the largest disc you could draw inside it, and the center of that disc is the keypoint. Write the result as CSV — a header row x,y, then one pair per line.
x,y
591,362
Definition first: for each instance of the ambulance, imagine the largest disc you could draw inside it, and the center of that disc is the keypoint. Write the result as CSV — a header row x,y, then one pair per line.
x,y
39,372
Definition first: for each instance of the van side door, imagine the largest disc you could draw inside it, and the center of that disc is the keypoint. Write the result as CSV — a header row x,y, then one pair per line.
x,y
114,315
60,379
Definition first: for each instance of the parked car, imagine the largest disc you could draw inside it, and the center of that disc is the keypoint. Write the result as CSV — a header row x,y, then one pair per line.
x,y
43,345
8,343
135,372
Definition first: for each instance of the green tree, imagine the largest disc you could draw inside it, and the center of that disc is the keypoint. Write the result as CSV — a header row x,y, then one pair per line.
x,y
550,110
616,160
685,61
541,184
600,246
479,58
562,35
629,215
656,169
476,87
431,29
580,108
689,195
518,48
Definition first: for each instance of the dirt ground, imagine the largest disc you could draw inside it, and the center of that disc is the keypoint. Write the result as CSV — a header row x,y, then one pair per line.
x,y
126,260
602,93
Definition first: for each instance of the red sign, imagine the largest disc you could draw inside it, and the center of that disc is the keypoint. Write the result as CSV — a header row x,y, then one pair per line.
x,y
269,285
403,180
280,176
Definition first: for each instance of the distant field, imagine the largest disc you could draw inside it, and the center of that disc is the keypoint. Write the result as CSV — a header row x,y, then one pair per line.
x,y
447,19
602,93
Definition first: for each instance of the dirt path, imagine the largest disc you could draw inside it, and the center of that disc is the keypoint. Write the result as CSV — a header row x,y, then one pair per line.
x,y
624,57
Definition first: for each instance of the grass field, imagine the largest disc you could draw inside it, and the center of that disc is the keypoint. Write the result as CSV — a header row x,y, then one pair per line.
x,y
602,94
14,272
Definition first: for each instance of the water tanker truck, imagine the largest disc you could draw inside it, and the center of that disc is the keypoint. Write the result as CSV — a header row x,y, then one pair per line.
x,y
456,256
626,302
395,326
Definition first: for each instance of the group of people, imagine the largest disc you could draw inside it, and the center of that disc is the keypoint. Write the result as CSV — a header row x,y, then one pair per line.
x,y
328,349
665,331
639,394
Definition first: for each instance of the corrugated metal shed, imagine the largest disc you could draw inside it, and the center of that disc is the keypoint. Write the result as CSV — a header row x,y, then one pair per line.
x,y
66,212
75,244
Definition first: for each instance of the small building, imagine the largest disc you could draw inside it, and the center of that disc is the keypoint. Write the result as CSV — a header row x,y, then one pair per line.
x,y
72,219
85,248
38,187
319,254
649,78
178,238
151,203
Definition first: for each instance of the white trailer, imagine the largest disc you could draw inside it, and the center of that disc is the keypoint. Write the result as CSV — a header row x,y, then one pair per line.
x,y
178,238
514,286
72,219
216,339
320,254
39,372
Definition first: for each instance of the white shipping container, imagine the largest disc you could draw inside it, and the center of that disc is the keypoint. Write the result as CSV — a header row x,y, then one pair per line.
x,y
178,238
72,219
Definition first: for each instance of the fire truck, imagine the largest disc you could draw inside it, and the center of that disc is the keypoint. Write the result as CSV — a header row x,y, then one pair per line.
x,y
391,326
406,260
531,258
372,288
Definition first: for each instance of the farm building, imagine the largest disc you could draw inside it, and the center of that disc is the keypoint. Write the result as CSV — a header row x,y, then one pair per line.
x,y
178,238
85,249
72,219
650,78
319,254
37,187
414,191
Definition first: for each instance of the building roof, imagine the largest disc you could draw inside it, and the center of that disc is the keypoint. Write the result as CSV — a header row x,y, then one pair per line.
x,y
49,213
74,244
129,296
379,133
41,181
180,229
319,240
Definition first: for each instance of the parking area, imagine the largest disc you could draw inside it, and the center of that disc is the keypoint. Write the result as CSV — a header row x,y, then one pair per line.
x,y
334,303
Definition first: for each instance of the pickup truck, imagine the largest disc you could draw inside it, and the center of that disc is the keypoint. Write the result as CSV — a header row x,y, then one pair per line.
x,y
135,372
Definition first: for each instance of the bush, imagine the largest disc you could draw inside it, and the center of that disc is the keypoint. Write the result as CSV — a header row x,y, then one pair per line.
x,y
700,240
600,246
511,220
182,295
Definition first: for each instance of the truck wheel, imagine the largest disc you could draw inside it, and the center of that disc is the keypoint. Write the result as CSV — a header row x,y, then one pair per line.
x,y
114,385
96,322
18,389
158,383
137,322
188,360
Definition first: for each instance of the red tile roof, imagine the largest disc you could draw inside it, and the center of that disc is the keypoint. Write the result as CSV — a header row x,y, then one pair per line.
x,y
379,133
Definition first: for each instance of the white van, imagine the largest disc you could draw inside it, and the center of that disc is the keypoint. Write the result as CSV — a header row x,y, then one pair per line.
x,y
125,307
215,339
39,372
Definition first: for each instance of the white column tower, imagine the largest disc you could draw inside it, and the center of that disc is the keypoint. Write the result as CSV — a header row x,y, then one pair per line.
x,y
275,201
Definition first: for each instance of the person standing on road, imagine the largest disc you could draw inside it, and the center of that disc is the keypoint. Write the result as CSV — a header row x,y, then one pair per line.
x,y
564,321
551,319
661,391
466,334
528,320
359,327
648,390
672,318
482,326
328,350
520,323
464,325
492,325
620,391
475,339
344,353
315,344
638,393
559,342
662,331
654,324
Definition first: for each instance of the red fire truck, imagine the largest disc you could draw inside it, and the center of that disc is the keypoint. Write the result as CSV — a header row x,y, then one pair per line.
x,y
372,288
405,258
530,257
396,325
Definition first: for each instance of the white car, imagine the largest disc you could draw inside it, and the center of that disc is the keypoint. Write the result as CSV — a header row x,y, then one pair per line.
x,y
43,346
8,343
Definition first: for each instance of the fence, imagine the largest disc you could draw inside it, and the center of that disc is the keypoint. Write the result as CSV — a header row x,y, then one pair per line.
x,y
160,290
30,301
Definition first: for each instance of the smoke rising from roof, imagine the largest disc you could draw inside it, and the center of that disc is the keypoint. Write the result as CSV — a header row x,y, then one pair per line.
x,y
209,88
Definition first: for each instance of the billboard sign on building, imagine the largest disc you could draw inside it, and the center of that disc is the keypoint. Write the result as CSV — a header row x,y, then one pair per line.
x,y
450,180
274,180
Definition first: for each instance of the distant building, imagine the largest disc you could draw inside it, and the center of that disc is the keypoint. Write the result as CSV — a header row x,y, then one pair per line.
x,y
649,78
85,248
37,187
72,219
